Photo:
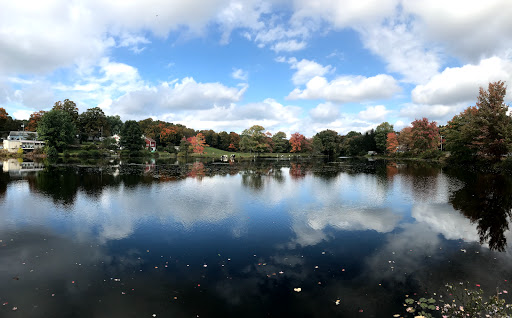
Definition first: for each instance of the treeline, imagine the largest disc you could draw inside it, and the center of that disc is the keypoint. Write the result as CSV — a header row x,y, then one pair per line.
x,y
481,132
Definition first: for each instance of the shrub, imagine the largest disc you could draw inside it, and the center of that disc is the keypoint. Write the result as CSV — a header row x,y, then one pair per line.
x,y
51,152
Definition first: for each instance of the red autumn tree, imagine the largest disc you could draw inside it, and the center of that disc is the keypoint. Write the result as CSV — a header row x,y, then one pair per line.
x,y
391,142
298,142
3,118
169,135
33,120
425,135
197,143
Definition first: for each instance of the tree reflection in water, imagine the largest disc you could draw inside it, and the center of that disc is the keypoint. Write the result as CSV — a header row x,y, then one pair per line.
x,y
487,201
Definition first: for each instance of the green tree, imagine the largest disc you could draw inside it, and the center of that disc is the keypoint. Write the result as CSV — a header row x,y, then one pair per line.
x,y
493,123
330,142
254,140
381,134
131,136
69,107
459,133
281,143
224,140
115,123
57,129
93,123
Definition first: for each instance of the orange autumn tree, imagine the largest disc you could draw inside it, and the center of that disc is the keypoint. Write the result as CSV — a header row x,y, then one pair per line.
x,y
197,143
33,120
298,142
169,135
391,142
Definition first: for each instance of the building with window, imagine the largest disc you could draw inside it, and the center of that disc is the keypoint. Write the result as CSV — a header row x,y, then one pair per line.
x,y
26,140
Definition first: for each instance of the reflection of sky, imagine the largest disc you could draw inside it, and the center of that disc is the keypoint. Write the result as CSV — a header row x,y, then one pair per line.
x,y
390,231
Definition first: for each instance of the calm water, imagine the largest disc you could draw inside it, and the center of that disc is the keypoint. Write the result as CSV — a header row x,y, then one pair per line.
x,y
235,240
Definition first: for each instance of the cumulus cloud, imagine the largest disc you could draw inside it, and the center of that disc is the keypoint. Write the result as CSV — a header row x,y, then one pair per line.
x,y
306,69
342,14
403,51
269,113
461,84
469,30
186,94
326,112
374,113
348,88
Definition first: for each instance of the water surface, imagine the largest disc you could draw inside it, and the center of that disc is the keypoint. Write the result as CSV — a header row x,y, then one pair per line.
x,y
211,239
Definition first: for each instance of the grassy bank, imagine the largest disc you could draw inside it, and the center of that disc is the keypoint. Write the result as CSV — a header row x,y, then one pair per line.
x,y
210,152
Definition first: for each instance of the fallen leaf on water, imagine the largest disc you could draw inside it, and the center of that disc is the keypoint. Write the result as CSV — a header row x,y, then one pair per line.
x,y
337,302
298,290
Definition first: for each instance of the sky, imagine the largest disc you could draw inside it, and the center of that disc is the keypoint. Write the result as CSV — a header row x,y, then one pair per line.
x,y
287,65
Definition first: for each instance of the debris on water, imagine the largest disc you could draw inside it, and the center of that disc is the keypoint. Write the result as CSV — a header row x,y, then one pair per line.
x,y
337,302
298,290
463,250
14,308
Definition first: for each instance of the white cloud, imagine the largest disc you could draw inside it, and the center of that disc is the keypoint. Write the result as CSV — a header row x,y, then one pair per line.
x,y
325,112
269,113
342,14
440,113
348,89
374,113
306,70
240,74
289,46
461,84
403,51
468,29
22,114
186,94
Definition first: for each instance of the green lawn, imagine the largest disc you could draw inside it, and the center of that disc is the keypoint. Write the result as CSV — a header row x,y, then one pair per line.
x,y
214,153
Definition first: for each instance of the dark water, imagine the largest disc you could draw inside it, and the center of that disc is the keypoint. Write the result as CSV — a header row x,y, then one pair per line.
x,y
235,240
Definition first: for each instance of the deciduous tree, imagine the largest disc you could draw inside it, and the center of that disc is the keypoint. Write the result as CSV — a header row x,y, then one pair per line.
x,y
57,129
459,133
381,133
69,107
131,136
298,142
92,123
254,140
391,142
197,143
34,120
425,135
281,143
329,141
494,125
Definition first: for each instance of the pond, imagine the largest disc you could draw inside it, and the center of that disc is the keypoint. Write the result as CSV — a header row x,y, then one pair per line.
x,y
266,238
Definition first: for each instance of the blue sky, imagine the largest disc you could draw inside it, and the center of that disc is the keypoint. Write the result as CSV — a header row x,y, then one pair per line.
x,y
289,65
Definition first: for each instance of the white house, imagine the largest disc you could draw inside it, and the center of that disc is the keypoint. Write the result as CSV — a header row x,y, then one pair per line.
x,y
25,140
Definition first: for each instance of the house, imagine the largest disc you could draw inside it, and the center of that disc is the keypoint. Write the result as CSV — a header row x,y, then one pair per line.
x,y
150,143
26,140
116,138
